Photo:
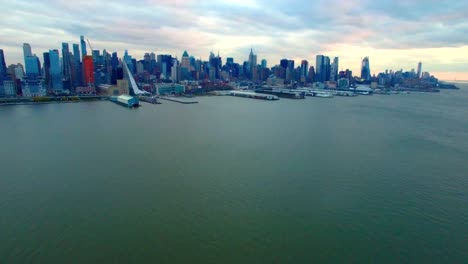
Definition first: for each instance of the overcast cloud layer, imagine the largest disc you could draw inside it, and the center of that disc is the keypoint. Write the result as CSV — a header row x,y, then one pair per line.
x,y
394,34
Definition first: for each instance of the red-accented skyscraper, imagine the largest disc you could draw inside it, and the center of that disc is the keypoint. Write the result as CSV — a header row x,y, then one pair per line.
x,y
88,70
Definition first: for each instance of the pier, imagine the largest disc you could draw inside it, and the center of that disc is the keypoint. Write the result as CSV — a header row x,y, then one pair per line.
x,y
149,99
178,100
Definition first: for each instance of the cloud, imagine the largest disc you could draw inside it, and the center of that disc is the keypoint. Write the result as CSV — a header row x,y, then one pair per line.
x,y
275,29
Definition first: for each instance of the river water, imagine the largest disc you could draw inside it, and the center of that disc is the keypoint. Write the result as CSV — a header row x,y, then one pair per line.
x,y
376,179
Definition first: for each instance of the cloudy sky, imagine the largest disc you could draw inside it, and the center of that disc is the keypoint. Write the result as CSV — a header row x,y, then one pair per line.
x,y
394,34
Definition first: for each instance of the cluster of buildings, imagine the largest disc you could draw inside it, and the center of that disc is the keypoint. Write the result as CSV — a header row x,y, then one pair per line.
x,y
72,71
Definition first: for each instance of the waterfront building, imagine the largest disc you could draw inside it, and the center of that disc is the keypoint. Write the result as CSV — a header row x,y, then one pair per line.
x,y
32,86
55,73
343,84
170,88
122,86
365,69
9,88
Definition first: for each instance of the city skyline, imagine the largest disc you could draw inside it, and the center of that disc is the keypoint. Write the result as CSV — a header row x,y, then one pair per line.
x,y
393,35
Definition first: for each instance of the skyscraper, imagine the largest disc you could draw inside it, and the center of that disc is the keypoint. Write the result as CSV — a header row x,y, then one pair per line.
x,y
185,62
365,69
253,65
76,65
55,71
33,68
419,69
334,70
304,69
3,68
326,67
83,46
66,66
46,67
319,68
264,63
88,69
26,51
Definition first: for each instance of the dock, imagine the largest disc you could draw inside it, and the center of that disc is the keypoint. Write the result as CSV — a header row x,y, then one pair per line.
x,y
180,100
149,99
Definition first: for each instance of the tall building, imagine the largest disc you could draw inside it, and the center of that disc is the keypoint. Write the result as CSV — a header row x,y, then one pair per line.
x,y
88,70
311,75
319,68
66,66
365,69
174,73
264,64
253,65
46,68
77,75
419,69
33,67
83,46
185,62
3,68
334,70
55,71
26,51
326,66
304,69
